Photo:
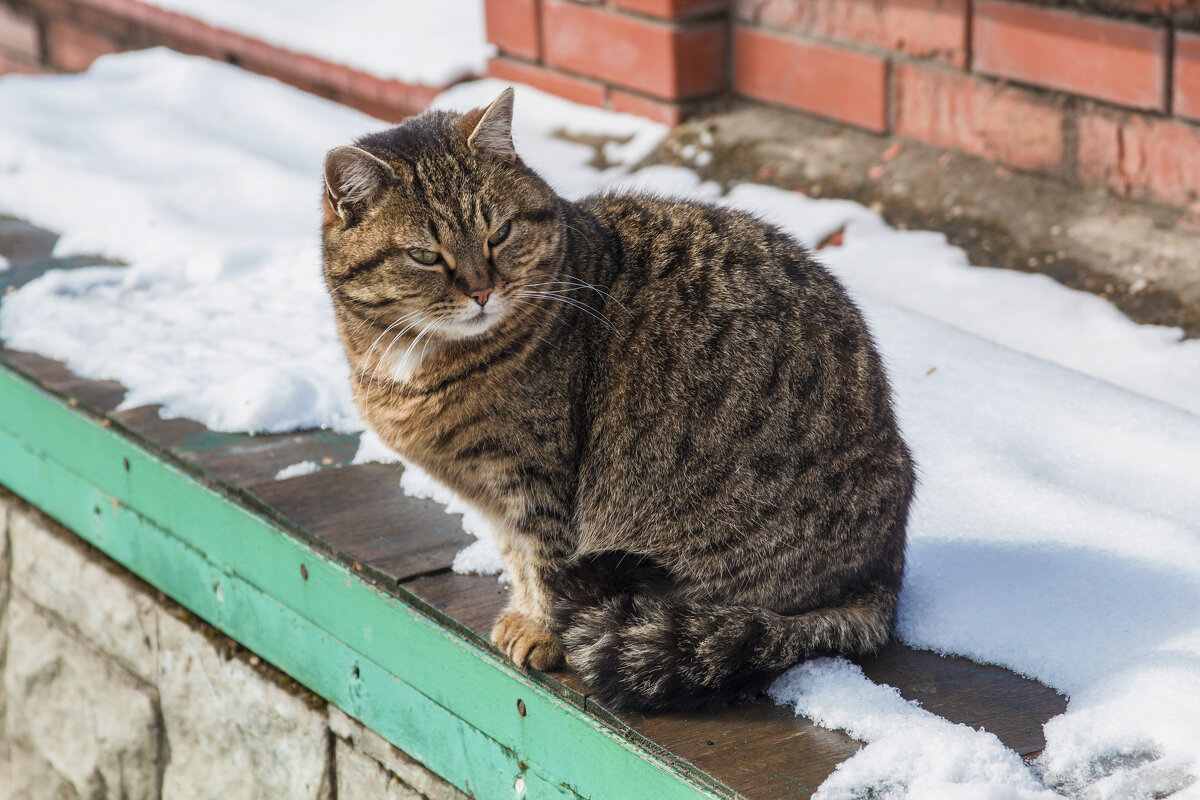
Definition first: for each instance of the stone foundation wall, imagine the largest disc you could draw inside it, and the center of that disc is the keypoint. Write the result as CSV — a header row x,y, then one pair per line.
x,y
111,690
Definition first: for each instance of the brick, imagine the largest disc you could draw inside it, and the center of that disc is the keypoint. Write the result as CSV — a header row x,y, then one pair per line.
x,y
579,90
133,10
265,59
1114,60
1154,6
191,36
336,77
980,117
74,49
178,26
627,103
403,99
19,35
1139,156
935,29
364,86
833,82
116,27
669,62
1186,100
15,66
512,25
672,9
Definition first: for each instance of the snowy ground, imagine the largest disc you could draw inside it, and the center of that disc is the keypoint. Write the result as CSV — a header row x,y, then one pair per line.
x,y
1057,527
427,42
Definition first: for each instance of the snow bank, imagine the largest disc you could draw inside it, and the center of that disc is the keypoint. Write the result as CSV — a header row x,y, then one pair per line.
x,y
1057,525
426,43
206,179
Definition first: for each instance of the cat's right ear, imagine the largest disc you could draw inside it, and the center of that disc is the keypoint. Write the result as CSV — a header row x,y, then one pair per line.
x,y
352,177
492,133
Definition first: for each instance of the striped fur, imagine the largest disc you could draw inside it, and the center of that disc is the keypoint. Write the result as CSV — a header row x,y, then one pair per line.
x,y
674,418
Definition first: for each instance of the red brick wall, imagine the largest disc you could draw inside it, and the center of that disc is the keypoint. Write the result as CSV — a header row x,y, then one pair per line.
x,y
1102,91
1099,91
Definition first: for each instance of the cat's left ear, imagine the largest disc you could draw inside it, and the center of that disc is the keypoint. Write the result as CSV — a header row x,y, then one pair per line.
x,y
352,175
493,133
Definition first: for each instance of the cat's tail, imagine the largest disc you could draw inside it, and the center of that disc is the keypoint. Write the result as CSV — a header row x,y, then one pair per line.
x,y
638,648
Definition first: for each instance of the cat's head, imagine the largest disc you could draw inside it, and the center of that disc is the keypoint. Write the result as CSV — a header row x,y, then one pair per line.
x,y
436,225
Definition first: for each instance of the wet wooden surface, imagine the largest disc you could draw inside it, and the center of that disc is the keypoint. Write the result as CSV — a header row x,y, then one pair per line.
x,y
759,749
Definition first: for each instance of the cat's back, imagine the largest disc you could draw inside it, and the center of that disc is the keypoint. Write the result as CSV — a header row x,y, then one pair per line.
x,y
695,258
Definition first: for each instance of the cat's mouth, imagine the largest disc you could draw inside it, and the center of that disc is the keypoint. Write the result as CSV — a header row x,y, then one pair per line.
x,y
475,320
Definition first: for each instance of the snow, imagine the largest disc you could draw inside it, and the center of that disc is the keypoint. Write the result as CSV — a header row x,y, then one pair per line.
x,y
296,470
1057,526
425,43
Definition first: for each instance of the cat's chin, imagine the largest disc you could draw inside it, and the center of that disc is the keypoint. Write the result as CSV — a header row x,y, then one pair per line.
x,y
470,326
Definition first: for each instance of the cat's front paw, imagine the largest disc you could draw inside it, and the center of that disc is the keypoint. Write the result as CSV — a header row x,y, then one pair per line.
x,y
526,641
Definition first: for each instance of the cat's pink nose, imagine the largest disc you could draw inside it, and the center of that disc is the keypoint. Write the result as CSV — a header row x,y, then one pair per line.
x,y
481,295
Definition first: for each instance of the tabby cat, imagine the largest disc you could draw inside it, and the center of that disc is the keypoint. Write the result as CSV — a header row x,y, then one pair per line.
x,y
673,417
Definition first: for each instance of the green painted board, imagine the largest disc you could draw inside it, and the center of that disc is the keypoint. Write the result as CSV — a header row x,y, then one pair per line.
x,y
417,677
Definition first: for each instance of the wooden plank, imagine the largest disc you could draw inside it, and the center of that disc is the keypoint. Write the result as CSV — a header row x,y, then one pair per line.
x,y
100,395
361,511
257,459
46,450
473,600
167,433
981,696
24,244
760,750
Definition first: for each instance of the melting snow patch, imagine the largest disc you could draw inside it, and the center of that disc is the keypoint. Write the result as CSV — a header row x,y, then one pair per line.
x,y
481,557
912,753
296,470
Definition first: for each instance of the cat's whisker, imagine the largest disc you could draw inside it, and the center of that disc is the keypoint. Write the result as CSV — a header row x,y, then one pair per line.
x,y
574,288
431,326
581,233
575,284
542,336
383,358
398,321
584,307
601,290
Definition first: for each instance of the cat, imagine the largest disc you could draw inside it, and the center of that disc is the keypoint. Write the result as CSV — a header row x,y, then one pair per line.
x,y
674,419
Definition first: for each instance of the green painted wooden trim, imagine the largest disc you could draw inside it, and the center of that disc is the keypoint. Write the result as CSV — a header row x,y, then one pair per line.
x,y
426,684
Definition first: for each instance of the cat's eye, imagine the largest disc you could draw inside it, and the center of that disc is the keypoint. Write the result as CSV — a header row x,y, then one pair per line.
x,y
501,234
426,257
